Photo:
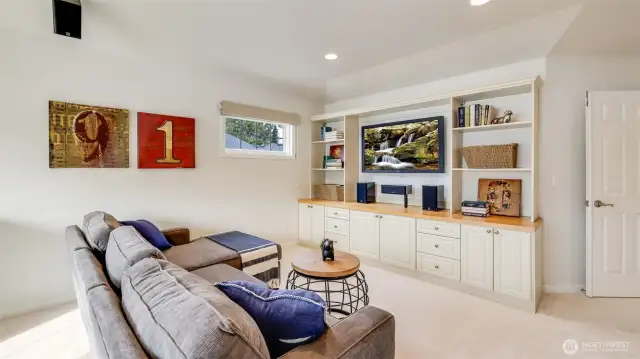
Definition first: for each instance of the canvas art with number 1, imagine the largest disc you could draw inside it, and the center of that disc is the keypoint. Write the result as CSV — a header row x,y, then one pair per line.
x,y
82,136
166,141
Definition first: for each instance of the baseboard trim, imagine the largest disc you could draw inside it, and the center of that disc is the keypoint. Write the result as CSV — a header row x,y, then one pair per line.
x,y
565,288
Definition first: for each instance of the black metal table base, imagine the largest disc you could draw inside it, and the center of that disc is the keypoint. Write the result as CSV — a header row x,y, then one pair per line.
x,y
352,290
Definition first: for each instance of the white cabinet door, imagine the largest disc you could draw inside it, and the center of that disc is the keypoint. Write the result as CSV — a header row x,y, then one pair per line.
x,y
398,241
364,234
317,224
512,263
476,256
304,222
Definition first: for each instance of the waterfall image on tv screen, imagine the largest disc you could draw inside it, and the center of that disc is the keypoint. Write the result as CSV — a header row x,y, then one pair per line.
x,y
405,146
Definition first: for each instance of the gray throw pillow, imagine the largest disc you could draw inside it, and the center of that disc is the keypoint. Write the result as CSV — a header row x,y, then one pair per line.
x,y
176,314
125,248
96,227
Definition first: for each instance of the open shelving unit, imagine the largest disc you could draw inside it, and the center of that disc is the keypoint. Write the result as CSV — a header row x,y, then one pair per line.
x,y
521,96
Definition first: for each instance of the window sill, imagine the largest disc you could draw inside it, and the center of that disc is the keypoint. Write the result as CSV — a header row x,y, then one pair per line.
x,y
256,155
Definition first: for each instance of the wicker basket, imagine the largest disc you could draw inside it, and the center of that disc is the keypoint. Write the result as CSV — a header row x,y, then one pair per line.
x,y
329,192
494,156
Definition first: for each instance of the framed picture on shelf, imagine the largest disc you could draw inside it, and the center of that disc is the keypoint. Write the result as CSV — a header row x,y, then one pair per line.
x,y
337,152
503,195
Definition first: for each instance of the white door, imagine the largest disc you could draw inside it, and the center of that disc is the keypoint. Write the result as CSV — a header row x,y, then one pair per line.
x,y
398,241
364,234
613,194
476,256
304,222
317,224
512,263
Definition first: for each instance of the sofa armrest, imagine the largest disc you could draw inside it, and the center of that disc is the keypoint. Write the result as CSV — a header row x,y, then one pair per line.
x,y
177,236
368,333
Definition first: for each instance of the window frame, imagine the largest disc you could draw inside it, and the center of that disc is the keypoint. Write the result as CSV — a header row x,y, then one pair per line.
x,y
288,141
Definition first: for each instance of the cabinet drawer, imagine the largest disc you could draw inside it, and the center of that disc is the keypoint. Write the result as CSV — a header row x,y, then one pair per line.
x,y
336,226
442,267
439,246
337,213
341,241
445,229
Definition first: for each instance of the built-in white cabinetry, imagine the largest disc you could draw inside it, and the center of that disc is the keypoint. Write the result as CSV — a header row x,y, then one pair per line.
x,y
477,256
364,234
336,228
493,262
398,241
310,223
512,263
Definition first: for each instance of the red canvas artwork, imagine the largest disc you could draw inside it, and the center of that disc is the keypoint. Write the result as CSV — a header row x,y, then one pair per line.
x,y
166,141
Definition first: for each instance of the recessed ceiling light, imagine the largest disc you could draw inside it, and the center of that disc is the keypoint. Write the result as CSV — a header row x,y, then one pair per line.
x,y
478,2
330,56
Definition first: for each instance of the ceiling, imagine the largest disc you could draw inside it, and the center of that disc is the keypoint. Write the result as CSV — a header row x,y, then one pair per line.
x,y
283,41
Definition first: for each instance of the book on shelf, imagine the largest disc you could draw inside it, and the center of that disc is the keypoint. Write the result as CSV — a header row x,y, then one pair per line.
x,y
475,210
323,131
475,204
476,115
475,214
461,111
487,115
467,116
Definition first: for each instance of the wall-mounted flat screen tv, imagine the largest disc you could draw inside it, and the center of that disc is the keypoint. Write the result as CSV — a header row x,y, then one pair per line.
x,y
411,146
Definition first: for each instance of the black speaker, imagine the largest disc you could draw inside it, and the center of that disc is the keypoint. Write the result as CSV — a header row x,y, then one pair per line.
x,y
432,198
366,192
67,18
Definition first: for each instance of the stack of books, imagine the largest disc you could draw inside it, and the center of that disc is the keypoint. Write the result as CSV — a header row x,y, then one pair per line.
x,y
475,208
474,115
334,135
323,130
333,163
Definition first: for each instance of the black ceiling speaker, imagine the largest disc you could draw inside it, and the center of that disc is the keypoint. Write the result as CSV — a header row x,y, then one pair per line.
x,y
67,18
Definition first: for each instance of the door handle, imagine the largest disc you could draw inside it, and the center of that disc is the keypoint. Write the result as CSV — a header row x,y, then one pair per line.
x,y
599,203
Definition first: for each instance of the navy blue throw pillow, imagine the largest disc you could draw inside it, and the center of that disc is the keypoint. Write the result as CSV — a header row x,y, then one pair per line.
x,y
286,318
150,232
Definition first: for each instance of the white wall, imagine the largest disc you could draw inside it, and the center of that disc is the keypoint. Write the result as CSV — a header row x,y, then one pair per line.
x,y
36,203
562,143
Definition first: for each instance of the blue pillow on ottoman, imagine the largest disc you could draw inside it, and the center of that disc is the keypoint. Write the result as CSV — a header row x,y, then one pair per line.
x,y
286,318
150,232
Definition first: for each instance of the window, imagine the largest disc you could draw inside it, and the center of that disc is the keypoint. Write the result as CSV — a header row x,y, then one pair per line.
x,y
251,138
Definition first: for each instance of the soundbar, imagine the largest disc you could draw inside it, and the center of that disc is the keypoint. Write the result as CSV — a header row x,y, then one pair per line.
x,y
404,190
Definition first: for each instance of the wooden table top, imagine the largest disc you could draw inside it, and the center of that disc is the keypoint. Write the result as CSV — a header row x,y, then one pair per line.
x,y
311,264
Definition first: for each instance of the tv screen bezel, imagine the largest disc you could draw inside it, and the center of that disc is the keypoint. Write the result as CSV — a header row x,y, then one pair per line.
x,y
441,145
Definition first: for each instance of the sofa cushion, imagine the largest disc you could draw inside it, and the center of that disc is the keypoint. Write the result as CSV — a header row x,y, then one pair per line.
x,y
96,228
125,248
201,253
176,314
286,318
109,333
150,232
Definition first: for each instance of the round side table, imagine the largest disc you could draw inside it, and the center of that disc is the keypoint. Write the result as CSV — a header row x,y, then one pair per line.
x,y
340,282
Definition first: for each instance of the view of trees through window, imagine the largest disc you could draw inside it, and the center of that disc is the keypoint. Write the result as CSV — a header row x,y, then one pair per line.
x,y
253,135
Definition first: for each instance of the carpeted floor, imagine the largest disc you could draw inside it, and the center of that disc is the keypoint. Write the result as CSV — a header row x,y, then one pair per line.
x,y
431,322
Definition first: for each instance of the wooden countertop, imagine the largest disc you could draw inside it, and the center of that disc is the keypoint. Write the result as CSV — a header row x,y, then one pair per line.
x,y
522,224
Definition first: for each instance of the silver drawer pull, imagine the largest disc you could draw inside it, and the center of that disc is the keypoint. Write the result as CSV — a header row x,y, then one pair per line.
x,y
436,228
335,226
335,213
436,246
488,231
496,231
436,266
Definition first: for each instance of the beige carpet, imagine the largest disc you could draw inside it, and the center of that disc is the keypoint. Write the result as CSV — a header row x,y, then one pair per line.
x,y
431,322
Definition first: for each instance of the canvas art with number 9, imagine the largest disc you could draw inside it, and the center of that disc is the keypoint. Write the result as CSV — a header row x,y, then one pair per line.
x,y
166,141
82,136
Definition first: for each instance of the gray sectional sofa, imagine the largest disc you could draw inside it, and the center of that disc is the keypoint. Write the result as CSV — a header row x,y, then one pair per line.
x,y
138,302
